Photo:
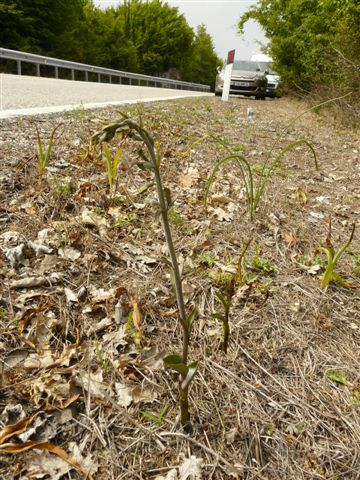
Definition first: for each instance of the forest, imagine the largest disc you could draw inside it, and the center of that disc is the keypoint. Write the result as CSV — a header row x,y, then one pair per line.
x,y
150,37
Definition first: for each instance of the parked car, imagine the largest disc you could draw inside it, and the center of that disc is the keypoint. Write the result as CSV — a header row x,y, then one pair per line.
x,y
265,63
247,79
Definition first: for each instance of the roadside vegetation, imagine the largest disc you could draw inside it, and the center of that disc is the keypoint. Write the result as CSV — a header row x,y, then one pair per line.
x,y
315,46
151,37
150,327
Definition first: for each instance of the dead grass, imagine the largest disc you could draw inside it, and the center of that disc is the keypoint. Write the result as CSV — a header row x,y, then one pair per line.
x,y
267,410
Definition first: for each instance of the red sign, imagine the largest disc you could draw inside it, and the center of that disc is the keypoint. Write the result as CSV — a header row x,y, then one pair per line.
x,y
230,57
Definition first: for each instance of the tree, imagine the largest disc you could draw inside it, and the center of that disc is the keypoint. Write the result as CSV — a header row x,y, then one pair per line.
x,y
40,26
200,65
159,33
315,43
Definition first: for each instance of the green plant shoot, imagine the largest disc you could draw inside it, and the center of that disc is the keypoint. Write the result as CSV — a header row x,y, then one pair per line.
x,y
112,165
225,296
332,259
151,160
44,157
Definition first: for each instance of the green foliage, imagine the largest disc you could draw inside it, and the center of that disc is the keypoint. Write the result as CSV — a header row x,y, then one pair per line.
x,y
151,160
314,43
225,294
254,192
336,376
150,37
45,27
332,259
357,265
111,165
246,174
201,62
44,157
260,263
158,419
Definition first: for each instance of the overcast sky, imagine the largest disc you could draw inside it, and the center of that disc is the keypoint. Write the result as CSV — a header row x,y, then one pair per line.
x,y
220,18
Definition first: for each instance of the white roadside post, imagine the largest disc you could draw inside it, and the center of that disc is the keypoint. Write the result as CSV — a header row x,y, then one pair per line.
x,y
227,76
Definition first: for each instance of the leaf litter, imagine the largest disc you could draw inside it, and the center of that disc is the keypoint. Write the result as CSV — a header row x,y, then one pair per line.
x,y
87,309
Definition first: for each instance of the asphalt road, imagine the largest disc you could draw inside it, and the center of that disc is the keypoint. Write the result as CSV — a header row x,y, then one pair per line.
x,y
25,95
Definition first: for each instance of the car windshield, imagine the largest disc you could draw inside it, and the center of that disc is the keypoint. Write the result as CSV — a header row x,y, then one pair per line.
x,y
267,66
246,66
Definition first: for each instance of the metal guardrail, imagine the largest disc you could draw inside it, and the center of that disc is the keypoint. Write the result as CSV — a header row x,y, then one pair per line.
x,y
39,60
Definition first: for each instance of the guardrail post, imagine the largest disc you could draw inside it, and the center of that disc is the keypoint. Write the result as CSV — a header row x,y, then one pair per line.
x,y
86,76
38,70
110,81
56,72
18,67
99,77
72,74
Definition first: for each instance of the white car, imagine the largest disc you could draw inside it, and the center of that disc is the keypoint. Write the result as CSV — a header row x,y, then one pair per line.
x,y
247,79
273,78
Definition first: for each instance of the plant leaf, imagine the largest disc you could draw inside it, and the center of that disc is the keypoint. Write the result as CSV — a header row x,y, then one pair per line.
x,y
192,368
174,362
194,314
336,376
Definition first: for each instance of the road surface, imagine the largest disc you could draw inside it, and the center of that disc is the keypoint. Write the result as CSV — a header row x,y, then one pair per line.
x,y
25,95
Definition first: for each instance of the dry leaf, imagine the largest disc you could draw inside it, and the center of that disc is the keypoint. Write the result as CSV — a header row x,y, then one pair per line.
x,y
124,397
69,253
136,318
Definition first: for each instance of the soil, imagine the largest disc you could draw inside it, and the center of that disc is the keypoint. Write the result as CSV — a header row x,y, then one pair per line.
x,y
88,311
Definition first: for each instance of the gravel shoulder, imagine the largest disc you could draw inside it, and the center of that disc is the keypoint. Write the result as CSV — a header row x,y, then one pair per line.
x,y
78,263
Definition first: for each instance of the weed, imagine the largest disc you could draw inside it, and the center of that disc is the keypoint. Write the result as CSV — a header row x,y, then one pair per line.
x,y
124,222
151,160
111,165
260,263
207,258
43,158
103,362
254,192
158,419
357,265
225,295
247,176
332,259
175,218
62,187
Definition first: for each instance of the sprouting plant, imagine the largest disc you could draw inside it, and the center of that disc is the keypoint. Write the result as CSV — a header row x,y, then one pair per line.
x,y
175,218
261,263
207,258
225,295
44,157
111,165
157,418
247,176
151,160
254,192
357,265
103,362
332,259
269,168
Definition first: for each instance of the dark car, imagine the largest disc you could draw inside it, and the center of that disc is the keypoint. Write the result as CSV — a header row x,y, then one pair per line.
x,y
247,79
